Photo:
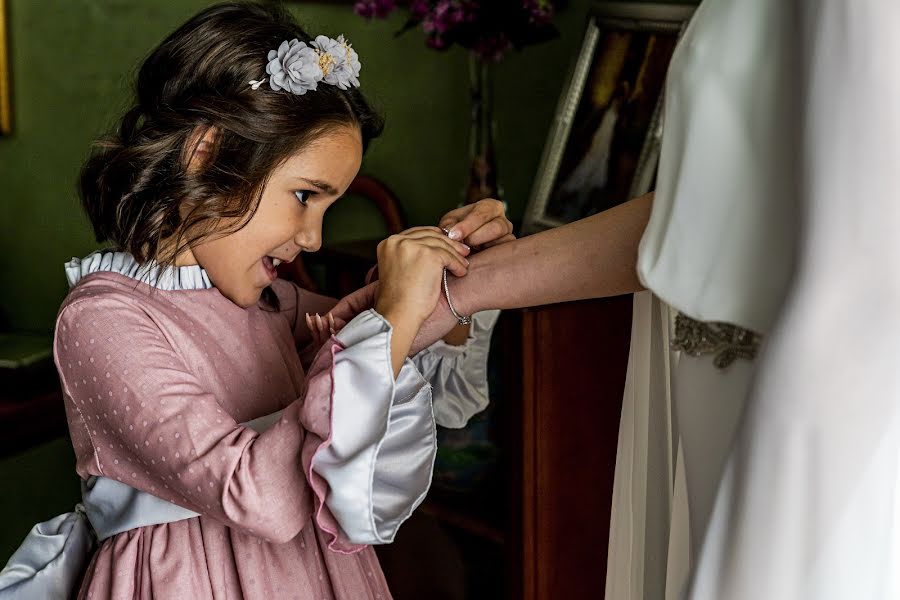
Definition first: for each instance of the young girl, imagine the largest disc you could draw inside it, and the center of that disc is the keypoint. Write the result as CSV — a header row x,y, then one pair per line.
x,y
218,461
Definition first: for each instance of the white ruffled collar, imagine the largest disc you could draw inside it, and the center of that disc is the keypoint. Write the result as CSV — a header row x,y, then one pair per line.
x,y
192,277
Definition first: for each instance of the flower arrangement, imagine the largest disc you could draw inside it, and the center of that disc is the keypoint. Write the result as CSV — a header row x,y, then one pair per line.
x,y
489,28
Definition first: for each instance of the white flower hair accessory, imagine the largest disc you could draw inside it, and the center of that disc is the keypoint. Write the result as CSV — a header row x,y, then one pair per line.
x,y
339,61
298,68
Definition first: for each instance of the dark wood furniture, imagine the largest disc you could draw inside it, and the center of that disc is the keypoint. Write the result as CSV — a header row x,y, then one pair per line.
x,y
539,529
574,358
31,407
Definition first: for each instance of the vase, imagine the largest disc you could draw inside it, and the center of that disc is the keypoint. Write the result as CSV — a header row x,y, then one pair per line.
x,y
483,181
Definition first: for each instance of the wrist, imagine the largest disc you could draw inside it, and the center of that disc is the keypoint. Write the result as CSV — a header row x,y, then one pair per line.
x,y
438,324
464,301
403,332
400,318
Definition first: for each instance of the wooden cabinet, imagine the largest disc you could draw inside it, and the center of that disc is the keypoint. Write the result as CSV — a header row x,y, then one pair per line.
x,y
573,362
540,528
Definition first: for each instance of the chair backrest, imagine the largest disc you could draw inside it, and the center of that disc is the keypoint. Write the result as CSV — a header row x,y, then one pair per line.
x,y
383,198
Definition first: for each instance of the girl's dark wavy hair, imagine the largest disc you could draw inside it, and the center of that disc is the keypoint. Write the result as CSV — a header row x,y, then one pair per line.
x,y
136,181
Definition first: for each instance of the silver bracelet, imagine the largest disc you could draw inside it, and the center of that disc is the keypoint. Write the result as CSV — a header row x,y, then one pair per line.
x,y
459,318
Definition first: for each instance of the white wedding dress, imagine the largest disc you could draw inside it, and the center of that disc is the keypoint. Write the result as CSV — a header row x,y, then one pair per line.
x,y
774,212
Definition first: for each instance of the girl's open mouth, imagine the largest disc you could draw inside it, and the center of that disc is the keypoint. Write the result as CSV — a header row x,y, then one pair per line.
x,y
269,265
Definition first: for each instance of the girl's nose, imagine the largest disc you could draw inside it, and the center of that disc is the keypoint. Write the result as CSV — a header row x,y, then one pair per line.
x,y
310,240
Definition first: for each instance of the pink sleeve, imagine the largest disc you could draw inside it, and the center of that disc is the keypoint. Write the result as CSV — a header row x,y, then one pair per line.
x,y
318,415
150,423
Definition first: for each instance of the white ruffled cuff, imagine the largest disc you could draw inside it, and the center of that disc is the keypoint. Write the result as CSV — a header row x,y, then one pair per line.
x,y
458,374
379,459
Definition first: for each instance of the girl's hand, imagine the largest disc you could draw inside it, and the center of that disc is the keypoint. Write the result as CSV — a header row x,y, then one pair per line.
x,y
352,304
482,225
410,267
321,328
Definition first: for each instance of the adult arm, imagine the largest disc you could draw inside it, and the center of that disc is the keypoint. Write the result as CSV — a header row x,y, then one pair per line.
x,y
595,257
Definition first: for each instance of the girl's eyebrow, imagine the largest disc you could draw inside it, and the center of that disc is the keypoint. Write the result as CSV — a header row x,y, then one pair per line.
x,y
322,185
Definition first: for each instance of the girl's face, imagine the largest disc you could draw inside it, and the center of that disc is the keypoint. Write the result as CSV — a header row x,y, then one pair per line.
x,y
287,221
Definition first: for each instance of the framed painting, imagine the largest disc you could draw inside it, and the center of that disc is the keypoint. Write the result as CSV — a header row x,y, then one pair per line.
x,y
603,146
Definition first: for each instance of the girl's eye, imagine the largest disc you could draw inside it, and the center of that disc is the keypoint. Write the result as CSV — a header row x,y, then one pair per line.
x,y
302,196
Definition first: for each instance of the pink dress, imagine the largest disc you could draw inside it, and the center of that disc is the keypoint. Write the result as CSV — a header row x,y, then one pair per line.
x,y
157,381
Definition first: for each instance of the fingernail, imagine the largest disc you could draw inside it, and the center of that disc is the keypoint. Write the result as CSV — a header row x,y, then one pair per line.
x,y
467,260
454,234
466,247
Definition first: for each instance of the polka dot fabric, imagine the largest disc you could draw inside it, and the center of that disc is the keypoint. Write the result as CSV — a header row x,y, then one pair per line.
x,y
156,385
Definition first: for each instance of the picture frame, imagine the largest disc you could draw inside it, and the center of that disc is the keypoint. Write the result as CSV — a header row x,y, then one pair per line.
x,y
5,93
603,145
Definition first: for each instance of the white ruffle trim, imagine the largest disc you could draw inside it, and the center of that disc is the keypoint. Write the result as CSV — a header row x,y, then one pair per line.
x,y
192,277
459,374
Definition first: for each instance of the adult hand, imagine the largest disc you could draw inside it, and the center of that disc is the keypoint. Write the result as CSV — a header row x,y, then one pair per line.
x,y
480,225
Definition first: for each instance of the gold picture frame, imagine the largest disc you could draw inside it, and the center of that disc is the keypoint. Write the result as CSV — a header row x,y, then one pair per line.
x,y
5,94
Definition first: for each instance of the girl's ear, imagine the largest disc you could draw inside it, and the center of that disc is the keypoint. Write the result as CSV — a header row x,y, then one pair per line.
x,y
200,146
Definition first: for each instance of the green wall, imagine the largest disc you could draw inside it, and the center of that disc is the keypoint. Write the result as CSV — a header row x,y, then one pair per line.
x,y
71,64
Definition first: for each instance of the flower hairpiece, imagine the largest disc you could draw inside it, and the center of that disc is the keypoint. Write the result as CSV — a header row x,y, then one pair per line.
x,y
298,68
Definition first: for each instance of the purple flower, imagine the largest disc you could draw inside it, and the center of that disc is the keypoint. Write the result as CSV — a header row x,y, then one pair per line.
x,y
446,15
442,10
436,42
492,48
418,9
378,9
540,12
467,12
489,28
